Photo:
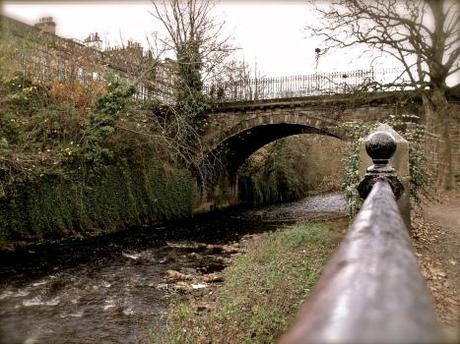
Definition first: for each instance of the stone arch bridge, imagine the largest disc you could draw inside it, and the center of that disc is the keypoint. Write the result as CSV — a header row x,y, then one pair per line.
x,y
236,130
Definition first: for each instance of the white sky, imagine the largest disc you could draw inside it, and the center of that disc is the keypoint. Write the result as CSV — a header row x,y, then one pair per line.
x,y
269,33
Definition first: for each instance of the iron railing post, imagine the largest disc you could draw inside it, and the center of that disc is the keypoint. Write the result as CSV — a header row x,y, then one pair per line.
x,y
371,291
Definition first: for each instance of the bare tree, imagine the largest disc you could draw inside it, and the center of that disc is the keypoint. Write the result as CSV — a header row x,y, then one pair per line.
x,y
200,49
422,35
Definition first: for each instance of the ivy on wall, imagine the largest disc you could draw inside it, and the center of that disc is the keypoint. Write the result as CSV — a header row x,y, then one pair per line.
x,y
92,201
64,172
409,127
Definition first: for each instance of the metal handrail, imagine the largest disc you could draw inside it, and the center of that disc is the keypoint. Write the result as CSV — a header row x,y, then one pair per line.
x,y
372,290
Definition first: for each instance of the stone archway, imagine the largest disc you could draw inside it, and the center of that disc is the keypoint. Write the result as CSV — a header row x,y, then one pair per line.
x,y
241,141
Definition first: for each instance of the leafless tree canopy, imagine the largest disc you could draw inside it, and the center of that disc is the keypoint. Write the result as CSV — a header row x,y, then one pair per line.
x,y
190,23
423,35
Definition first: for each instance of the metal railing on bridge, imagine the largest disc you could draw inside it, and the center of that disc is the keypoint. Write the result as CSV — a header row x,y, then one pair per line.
x,y
296,86
371,291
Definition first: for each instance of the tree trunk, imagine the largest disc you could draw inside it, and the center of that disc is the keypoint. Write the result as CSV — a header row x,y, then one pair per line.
x,y
437,115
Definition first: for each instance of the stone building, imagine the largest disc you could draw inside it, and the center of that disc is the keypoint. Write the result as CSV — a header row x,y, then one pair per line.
x,y
41,54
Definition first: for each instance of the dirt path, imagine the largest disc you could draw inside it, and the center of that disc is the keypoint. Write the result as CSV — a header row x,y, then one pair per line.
x,y
436,230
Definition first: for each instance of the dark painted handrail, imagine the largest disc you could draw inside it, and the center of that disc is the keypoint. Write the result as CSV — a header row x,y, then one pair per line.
x,y
371,291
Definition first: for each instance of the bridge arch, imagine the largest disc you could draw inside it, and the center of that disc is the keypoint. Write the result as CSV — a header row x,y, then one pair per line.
x,y
231,147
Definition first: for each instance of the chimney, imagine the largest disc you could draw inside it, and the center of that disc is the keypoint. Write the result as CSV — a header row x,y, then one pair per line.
x,y
46,24
93,41
135,49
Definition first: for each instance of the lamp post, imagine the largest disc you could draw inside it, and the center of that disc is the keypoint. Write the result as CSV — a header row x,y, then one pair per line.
x,y
317,54
344,77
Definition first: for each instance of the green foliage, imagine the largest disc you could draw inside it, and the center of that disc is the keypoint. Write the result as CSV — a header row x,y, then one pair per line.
x,y
102,119
262,290
42,125
351,161
352,179
21,100
407,126
66,171
38,118
191,101
274,178
88,201
3,144
290,168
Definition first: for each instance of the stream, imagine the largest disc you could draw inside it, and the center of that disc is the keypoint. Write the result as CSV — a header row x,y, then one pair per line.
x,y
115,288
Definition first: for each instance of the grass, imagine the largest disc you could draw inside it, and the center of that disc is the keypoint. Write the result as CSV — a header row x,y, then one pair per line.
x,y
262,291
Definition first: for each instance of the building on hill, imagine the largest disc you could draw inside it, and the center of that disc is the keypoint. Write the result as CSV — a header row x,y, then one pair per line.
x,y
39,53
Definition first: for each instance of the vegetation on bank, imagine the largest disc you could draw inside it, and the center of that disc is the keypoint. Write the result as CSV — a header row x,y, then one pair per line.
x,y
290,168
82,159
263,289
92,201
78,154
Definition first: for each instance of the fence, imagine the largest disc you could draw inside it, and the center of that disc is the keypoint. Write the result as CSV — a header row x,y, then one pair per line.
x,y
305,85
63,65
371,291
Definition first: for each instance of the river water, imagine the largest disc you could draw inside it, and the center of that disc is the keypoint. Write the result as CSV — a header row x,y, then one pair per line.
x,y
115,289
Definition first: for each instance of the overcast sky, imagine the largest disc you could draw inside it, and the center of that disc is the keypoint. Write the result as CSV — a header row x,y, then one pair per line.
x,y
269,33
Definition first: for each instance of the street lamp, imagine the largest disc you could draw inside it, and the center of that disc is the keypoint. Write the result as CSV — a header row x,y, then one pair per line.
x,y
317,52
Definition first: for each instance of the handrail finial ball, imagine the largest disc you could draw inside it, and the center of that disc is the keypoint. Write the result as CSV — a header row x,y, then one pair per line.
x,y
380,146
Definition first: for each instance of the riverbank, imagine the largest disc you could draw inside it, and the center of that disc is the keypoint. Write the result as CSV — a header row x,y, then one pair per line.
x,y
114,288
78,161
262,288
88,201
85,160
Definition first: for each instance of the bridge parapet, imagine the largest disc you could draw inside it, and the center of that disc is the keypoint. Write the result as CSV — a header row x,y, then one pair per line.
x,y
318,84
371,291
325,116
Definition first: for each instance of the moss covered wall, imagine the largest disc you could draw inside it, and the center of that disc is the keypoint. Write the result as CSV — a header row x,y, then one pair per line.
x,y
92,201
